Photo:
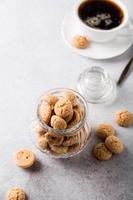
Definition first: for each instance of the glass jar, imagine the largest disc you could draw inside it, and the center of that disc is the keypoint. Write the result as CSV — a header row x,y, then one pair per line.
x,y
61,143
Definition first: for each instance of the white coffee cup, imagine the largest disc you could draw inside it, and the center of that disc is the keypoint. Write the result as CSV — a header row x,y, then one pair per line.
x,y
99,35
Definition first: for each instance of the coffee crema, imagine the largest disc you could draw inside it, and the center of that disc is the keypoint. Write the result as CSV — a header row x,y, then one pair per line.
x,y
101,14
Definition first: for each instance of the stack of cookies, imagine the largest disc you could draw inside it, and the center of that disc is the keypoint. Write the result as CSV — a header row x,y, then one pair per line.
x,y
111,145
59,113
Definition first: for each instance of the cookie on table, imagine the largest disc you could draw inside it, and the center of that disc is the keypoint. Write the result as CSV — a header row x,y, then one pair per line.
x,y
101,152
24,158
80,42
15,193
104,130
114,144
63,108
124,118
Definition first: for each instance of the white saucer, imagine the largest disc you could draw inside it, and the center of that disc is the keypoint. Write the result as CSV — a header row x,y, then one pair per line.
x,y
95,50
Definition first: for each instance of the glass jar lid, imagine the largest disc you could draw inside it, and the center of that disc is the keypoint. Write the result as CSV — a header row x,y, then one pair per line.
x,y
96,85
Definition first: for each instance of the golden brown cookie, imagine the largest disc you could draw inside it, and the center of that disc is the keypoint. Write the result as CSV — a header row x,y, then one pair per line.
x,y
54,139
105,130
59,149
71,97
42,142
51,100
75,119
58,123
15,193
63,108
24,158
74,148
114,144
80,42
71,140
39,130
101,152
79,110
69,117
45,112
124,118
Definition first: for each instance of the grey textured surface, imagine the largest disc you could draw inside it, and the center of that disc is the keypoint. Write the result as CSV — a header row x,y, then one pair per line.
x,y
34,58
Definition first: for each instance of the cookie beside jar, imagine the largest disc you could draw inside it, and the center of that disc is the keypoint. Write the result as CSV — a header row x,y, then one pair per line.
x,y
61,126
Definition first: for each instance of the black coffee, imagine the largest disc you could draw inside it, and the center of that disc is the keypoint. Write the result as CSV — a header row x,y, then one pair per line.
x,y
101,14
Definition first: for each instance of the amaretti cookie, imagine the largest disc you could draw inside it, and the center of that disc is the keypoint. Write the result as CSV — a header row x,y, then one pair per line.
x,y
58,123
15,193
74,148
24,158
69,117
45,112
63,108
51,100
80,42
59,149
71,140
124,118
42,142
75,119
114,144
79,110
54,139
101,152
104,130
71,97
40,130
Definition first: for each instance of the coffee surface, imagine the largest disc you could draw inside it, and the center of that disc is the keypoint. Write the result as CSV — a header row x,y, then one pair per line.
x,y
101,14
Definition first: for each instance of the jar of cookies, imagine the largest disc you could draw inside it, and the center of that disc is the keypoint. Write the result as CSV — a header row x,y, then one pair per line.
x,y
61,124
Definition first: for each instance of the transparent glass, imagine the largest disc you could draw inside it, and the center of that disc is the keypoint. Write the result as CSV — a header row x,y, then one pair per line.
x,y
96,85
68,142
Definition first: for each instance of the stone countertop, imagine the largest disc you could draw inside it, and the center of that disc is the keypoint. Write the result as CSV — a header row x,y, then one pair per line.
x,y
33,59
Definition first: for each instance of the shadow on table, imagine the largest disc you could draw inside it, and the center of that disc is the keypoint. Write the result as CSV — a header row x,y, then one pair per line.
x,y
119,168
37,167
